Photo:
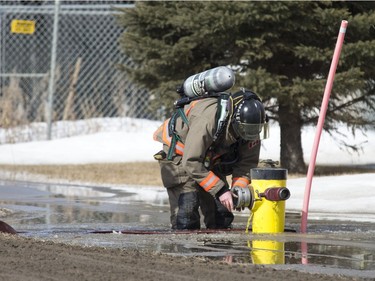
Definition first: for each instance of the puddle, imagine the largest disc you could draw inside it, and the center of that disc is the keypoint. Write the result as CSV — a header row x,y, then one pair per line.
x,y
55,204
138,217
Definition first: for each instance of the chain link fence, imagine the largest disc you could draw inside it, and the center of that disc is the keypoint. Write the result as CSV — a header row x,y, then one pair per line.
x,y
59,63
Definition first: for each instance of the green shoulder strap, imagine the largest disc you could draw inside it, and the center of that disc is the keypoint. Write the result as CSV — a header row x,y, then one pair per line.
x,y
172,130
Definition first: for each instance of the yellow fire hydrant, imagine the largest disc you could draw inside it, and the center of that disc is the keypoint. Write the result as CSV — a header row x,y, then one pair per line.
x,y
270,193
268,213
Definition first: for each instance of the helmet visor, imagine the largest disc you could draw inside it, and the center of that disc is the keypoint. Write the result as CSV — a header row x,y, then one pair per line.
x,y
251,131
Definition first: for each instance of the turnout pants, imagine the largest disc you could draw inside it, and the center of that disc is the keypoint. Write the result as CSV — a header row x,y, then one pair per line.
x,y
188,200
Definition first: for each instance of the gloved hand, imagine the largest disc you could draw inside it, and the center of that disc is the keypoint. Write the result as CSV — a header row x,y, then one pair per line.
x,y
226,200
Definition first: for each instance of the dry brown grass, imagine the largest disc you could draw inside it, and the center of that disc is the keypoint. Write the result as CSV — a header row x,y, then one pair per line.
x,y
136,173
12,105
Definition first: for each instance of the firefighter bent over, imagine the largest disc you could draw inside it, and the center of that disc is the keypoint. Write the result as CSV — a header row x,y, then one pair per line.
x,y
203,142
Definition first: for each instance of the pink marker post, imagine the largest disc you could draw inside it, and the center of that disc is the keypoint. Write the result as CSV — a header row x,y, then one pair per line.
x,y
322,115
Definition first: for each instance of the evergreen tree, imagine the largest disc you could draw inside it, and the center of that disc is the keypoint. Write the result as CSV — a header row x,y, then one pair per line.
x,y
281,50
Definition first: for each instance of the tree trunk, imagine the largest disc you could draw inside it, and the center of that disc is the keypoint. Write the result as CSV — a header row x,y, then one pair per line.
x,y
291,152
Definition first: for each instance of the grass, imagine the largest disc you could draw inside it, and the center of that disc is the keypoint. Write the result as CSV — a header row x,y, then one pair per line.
x,y
137,173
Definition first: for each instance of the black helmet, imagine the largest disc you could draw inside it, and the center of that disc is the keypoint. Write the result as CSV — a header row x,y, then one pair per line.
x,y
249,121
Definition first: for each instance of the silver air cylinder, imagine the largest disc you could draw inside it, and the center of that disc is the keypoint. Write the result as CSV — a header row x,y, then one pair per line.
x,y
218,79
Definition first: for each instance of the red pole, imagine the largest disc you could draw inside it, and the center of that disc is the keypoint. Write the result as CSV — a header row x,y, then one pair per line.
x,y
319,128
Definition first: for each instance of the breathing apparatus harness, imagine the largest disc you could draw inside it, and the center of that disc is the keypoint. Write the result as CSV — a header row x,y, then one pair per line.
x,y
226,103
222,115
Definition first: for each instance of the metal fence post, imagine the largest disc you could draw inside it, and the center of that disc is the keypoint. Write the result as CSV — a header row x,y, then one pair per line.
x,y
51,86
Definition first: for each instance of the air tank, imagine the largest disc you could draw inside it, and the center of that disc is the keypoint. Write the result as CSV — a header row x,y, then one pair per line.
x,y
218,79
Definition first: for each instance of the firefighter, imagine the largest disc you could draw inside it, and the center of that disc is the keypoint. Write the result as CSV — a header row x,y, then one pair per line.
x,y
200,151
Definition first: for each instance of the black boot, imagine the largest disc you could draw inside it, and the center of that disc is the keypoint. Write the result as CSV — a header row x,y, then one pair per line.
x,y
188,215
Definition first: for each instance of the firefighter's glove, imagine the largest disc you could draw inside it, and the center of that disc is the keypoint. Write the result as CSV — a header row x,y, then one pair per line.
x,y
226,200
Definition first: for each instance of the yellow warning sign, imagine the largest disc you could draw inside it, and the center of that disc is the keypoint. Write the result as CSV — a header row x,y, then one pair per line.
x,y
22,26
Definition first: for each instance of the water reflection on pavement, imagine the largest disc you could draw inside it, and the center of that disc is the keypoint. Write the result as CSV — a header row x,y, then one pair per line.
x,y
56,204
138,216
